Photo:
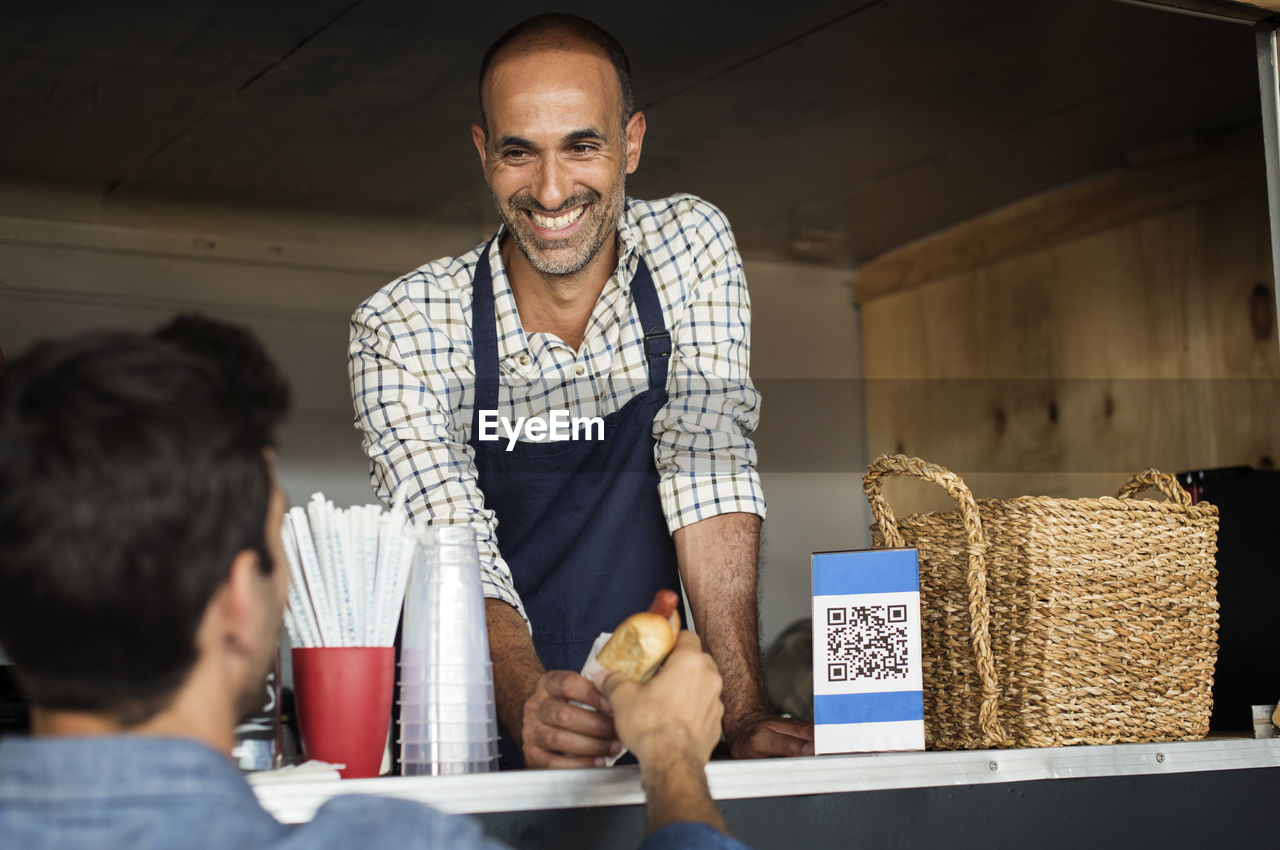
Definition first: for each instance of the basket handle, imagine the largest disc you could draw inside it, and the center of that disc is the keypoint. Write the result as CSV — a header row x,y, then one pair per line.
x,y
979,607
1162,481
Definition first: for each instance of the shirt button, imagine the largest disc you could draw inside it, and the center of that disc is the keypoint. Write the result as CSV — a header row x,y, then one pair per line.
x,y
524,360
581,370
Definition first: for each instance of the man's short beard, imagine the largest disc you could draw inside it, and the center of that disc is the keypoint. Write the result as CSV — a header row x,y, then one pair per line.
x,y
534,246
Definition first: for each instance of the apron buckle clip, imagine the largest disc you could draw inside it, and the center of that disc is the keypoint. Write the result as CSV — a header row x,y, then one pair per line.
x,y
657,343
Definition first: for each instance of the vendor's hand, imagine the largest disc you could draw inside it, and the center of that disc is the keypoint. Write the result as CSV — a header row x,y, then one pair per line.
x,y
557,734
767,735
674,715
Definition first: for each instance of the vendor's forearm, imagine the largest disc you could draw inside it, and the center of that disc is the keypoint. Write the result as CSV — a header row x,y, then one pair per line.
x,y
718,559
516,667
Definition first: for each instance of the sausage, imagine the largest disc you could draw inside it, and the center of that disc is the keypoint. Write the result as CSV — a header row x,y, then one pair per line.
x,y
664,603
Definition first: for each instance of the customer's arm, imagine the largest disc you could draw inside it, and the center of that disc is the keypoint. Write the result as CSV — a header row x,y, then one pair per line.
x,y
671,723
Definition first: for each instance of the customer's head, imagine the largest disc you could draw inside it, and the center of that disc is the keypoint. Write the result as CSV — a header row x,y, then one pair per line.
x,y
139,517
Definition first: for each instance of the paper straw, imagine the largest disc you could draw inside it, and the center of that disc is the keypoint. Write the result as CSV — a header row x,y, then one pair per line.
x,y
354,561
386,541
369,543
348,571
345,567
394,556
361,575
301,632
315,582
398,498
318,514
304,615
291,626
399,583
395,540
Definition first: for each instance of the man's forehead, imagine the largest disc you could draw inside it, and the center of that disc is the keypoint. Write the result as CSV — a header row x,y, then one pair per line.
x,y
521,70
547,43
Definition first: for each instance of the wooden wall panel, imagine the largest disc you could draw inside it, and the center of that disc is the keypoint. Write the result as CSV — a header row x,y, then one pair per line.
x,y
1060,371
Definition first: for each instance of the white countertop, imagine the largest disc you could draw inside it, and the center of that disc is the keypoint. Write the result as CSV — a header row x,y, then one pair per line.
x,y
296,802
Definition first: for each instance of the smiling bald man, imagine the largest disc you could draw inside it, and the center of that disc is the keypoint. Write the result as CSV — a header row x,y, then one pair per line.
x,y
577,390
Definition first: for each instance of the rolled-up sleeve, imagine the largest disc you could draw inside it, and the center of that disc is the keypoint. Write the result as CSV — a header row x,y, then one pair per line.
x,y
417,451
704,454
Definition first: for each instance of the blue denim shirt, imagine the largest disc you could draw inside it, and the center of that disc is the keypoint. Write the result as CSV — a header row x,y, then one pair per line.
x,y
151,793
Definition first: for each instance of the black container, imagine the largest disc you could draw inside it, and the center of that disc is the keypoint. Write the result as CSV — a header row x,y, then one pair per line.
x,y
1248,669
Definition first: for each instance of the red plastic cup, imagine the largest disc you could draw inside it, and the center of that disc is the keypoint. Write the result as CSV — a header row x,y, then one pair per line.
x,y
343,695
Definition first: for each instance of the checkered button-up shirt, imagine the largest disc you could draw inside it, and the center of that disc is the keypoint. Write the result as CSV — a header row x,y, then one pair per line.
x,y
413,375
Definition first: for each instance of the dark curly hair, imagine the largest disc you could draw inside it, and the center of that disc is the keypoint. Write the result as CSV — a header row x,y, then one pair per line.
x,y
132,471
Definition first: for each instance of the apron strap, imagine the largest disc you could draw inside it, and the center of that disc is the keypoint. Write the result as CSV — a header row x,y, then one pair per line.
x,y
657,342
484,341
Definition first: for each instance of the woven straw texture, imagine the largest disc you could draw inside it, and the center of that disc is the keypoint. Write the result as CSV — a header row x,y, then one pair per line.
x,y
1049,622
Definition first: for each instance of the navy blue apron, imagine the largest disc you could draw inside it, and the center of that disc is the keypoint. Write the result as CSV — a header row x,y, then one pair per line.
x,y
579,521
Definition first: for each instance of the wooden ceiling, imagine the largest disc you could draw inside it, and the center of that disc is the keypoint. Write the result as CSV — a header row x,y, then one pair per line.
x,y
1245,10
833,130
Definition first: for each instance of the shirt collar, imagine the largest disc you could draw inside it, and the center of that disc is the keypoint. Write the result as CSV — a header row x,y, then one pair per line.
x,y
628,247
511,336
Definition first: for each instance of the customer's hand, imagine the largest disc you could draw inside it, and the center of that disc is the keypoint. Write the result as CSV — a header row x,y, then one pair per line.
x,y
671,723
676,713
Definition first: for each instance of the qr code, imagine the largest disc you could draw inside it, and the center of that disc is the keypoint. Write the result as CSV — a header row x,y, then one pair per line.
x,y
867,642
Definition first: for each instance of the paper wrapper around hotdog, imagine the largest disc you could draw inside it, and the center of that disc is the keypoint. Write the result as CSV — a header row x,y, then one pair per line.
x,y
593,666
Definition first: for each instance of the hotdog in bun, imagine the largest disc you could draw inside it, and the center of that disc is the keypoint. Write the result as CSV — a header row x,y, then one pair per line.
x,y
642,641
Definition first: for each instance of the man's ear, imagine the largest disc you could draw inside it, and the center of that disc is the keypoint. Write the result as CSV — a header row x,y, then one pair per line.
x,y
239,602
480,139
635,139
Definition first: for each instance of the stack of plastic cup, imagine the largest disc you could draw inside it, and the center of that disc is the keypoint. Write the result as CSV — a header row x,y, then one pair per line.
x,y
448,719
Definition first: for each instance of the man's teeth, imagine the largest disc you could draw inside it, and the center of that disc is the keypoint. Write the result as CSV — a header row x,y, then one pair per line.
x,y
559,222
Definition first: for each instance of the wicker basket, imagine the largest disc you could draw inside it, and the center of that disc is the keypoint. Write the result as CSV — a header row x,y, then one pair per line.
x,y
1049,622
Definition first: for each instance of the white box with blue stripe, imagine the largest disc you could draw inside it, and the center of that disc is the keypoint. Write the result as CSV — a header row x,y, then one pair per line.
x,y
868,692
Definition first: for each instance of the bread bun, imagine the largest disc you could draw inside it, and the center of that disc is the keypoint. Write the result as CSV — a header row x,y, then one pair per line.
x,y
640,644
